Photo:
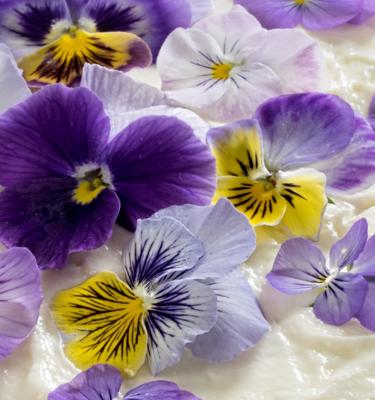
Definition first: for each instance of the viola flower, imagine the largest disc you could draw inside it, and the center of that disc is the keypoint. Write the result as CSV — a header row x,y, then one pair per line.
x,y
181,285
346,285
312,14
372,113
227,65
103,382
20,298
65,180
268,167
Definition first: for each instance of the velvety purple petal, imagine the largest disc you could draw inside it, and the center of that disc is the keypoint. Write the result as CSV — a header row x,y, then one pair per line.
x,y
157,162
365,263
299,267
160,249
367,12
342,299
20,298
226,234
240,323
41,215
366,315
295,126
345,251
100,382
372,113
52,132
159,390
181,310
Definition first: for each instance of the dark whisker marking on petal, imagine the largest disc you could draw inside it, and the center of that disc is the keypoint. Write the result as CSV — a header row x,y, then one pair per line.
x,y
208,58
234,45
243,77
235,82
241,203
244,186
213,84
270,206
231,173
238,196
256,210
292,185
250,206
295,193
251,163
200,65
264,212
243,167
289,199
256,159
274,199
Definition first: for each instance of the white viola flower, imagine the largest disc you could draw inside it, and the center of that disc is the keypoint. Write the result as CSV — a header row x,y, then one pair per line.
x,y
226,65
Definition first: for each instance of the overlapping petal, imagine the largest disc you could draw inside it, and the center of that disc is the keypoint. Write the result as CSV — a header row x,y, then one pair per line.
x,y
365,263
367,12
366,315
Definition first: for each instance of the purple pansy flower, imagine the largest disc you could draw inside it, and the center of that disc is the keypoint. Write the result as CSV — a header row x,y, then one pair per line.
x,y
312,14
347,283
64,180
20,298
103,382
371,115
181,286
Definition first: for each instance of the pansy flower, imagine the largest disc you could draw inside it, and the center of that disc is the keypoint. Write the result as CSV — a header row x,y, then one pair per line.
x,y
181,286
103,382
346,285
20,298
227,65
312,14
268,167
372,113
64,180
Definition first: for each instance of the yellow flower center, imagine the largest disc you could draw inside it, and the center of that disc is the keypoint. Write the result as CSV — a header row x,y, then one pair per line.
x,y
300,2
222,71
89,187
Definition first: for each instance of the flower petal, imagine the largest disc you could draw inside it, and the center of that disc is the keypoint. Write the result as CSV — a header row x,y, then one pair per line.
x,y
342,299
20,298
366,315
372,113
295,126
200,9
181,311
367,12
345,251
100,382
157,162
13,86
227,237
240,324
158,390
299,267
304,192
105,322
160,249
365,263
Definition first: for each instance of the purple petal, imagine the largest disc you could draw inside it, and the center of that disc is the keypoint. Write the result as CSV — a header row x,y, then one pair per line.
x,y
366,315
295,126
157,162
372,113
100,382
345,251
240,323
52,132
365,263
367,12
342,299
159,390
200,9
181,311
299,267
226,234
20,298
160,249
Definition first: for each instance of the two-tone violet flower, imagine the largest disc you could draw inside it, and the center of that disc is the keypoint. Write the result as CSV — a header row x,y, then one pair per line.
x,y
20,298
103,382
65,180
346,284
180,286
227,65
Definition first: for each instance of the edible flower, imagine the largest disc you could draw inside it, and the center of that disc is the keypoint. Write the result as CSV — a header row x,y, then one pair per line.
x,y
274,168
20,298
372,113
181,286
227,65
346,286
312,14
64,180
103,382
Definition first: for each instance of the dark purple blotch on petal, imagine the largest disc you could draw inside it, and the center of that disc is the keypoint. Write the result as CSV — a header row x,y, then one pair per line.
x,y
371,114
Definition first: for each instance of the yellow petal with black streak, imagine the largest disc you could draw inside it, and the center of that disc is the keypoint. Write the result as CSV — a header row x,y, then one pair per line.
x,y
258,200
63,60
106,322
304,192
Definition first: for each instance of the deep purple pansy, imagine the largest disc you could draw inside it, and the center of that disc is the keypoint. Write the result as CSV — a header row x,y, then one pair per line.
x,y
64,180
371,114
347,283
20,298
103,382
312,14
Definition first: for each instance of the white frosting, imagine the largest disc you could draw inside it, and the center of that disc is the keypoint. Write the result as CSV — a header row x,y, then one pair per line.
x,y
301,358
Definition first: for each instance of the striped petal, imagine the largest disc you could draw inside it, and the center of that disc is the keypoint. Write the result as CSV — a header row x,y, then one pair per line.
x,y
105,323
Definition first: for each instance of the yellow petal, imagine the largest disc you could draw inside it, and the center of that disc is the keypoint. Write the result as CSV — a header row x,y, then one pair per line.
x,y
63,60
105,321
258,200
304,192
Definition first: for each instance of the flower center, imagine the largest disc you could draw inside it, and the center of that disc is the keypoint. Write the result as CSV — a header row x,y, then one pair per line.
x,y
221,71
144,296
89,186
300,2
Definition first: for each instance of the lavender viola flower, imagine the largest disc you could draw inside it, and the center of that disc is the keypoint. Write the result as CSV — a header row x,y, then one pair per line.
x,y
312,14
372,113
64,180
103,382
347,283
181,286
20,298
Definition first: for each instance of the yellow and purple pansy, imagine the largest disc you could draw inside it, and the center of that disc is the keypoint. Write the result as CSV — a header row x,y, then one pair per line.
x,y
181,286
